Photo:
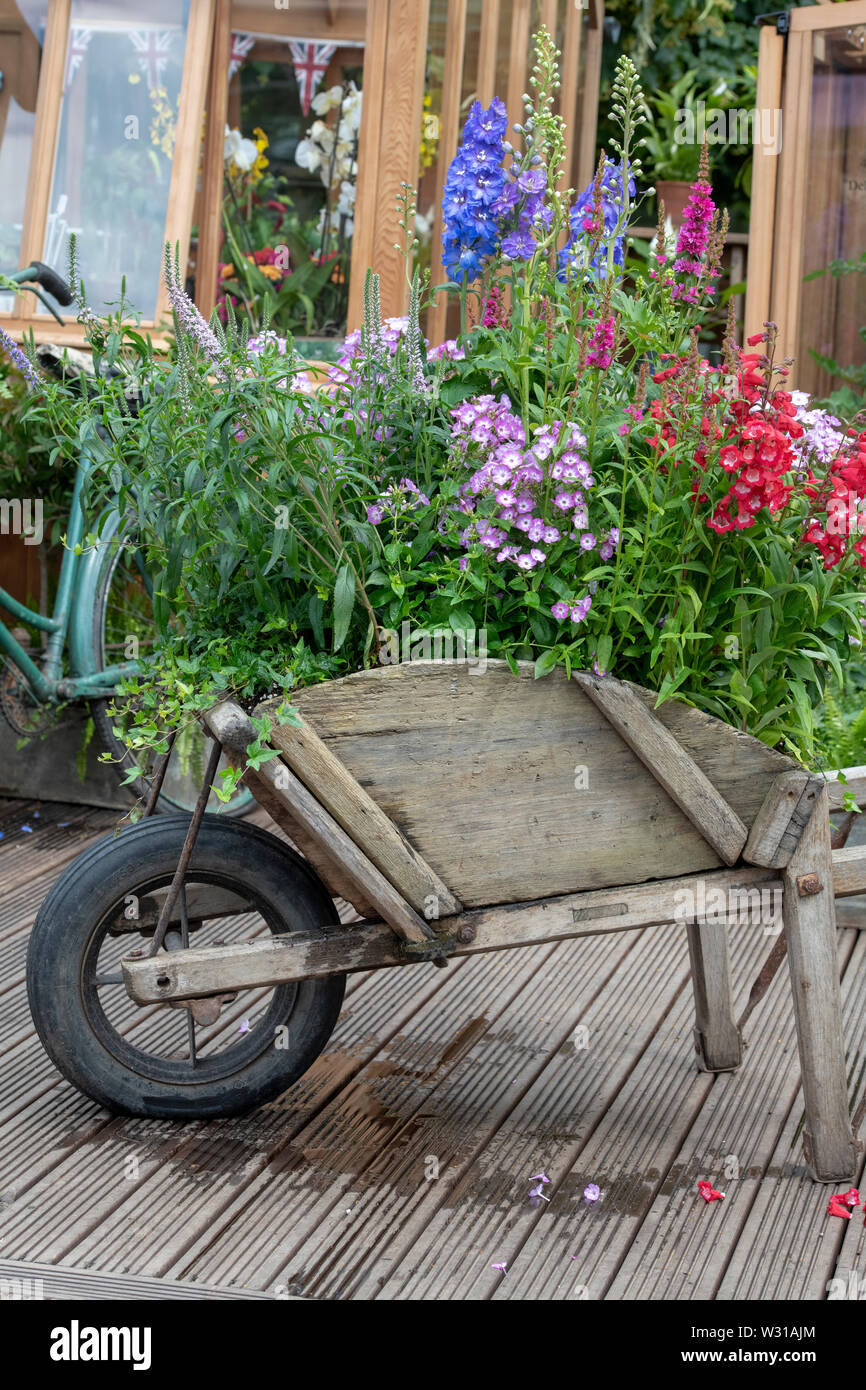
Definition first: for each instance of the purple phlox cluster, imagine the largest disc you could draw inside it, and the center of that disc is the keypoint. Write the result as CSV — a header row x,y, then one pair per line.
x,y
449,350
20,360
473,184
538,484
574,256
521,210
536,1193
693,243
591,1193
823,435
266,342
398,497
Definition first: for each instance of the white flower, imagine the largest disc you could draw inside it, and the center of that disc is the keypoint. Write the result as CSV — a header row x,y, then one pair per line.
x,y
308,155
323,102
239,151
424,225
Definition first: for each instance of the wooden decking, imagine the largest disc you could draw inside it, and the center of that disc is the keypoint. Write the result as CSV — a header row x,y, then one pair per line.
x,y
399,1167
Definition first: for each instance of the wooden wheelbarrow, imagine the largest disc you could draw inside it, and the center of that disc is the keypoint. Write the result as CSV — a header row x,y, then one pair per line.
x,y
461,812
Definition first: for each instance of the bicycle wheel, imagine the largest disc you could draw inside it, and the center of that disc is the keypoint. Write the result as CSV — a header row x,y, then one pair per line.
x,y
229,1052
124,630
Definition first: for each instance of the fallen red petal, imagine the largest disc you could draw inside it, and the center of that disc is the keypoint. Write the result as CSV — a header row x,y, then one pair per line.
x,y
836,1209
851,1198
708,1192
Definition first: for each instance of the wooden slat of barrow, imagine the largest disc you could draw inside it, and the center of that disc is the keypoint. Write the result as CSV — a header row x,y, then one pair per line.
x,y
366,823
685,1246
632,1155
777,828
479,1046
671,766
502,753
217,1164
789,1246
229,723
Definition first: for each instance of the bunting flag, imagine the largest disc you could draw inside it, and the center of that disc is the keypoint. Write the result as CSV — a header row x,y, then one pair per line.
x,y
152,47
79,40
241,45
311,63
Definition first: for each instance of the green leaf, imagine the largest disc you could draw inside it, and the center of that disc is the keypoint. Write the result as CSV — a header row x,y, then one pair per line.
x,y
545,663
344,604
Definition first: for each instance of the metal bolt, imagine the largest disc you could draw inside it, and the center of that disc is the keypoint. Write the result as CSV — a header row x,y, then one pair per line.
x,y
163,981
466,934
808,885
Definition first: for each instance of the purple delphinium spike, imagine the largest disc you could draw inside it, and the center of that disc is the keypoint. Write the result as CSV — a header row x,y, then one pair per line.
x,y
21,361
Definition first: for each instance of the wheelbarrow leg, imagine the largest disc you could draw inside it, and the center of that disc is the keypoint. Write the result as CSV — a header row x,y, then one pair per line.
x,y
809,914
717,1037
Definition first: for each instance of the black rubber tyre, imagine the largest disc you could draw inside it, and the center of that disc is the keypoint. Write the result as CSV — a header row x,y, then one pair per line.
x,y
101,1059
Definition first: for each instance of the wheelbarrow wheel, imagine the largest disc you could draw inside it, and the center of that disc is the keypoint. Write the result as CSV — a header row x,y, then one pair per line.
x,y
227,1054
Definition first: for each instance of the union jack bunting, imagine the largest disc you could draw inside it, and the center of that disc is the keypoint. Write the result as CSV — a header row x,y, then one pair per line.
x,y
79,40
311,62
153,49
241,45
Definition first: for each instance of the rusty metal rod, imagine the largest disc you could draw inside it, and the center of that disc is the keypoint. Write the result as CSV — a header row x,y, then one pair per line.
x,y
158,776
186,852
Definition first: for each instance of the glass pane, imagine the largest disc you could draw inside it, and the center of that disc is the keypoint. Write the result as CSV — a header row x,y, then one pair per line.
x,y
291,169
22,25
833,306
114,151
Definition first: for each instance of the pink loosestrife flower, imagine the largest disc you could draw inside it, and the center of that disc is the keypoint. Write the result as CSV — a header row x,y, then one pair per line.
x,y
693,240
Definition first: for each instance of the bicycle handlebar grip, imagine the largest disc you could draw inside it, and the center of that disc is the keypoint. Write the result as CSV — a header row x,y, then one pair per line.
x,y
52,282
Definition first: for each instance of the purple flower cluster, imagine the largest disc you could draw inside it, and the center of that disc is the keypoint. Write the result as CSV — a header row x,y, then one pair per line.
x,y
539,487
395,499
188,317
473,185
21,361
693,242
522,203
823,435
574,256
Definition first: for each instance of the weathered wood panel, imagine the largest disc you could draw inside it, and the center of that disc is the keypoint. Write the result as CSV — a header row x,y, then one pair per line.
x,y
513,789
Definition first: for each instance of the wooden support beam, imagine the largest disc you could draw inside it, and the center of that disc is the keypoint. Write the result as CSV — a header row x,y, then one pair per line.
x,y
40,172
810,927
568,91
449,130
765,167
717,1038
488,48
363,819
213,164
591,83
230,725
786,811
517,60
669,763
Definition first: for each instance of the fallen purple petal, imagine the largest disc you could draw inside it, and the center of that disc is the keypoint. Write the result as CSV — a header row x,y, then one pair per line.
x,y
27,830
591,1193
500,1266
245,1027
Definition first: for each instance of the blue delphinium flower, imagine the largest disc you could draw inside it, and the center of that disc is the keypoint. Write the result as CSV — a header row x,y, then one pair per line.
x,y
473,187
581,223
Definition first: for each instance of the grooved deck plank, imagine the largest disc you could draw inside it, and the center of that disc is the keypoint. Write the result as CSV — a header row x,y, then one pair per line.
x,y
60,1282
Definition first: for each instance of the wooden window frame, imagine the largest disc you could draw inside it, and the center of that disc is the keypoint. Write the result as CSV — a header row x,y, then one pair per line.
x,y
182,185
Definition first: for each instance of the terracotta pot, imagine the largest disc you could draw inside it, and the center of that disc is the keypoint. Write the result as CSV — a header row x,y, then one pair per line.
x,y
674,193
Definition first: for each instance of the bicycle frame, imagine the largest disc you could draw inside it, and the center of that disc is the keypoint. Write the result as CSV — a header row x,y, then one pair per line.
x,y
45,681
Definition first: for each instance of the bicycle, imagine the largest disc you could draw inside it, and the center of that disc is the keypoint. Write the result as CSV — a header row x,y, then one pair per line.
x,y
102,607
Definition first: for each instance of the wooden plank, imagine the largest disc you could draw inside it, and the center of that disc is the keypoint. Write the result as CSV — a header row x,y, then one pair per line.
x,y
680,902
304,19
449,130
230,725
518,57
672,767
589,104
187,145
805,18
855,782
717,1037
762,204
781,820
488,49
366,823
63,1282
791,195
542,796
369,142
213,163
810,927
41,169
569,90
